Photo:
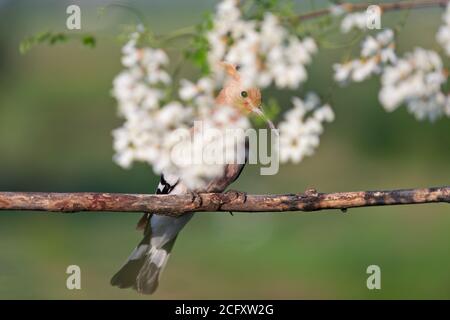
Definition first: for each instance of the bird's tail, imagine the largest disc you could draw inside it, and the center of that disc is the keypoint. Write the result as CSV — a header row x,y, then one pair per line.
x,y
144,266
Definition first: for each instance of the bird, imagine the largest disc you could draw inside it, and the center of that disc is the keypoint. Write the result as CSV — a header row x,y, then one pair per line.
x,y
143,268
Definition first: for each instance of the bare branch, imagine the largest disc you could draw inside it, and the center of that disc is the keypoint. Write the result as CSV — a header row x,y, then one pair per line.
x,y
175,205
385,7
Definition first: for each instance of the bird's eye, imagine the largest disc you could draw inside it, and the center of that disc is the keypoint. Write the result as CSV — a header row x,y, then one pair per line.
x,y
244,94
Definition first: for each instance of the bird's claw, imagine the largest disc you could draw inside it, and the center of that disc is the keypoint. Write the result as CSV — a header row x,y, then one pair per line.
x,y
237,195
195,196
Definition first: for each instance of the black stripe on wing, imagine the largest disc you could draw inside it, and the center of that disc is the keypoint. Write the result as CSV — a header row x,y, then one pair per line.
x,y
165,187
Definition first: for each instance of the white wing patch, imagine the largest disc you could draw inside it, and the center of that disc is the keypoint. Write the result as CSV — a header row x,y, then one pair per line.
x,y
138,252
158,256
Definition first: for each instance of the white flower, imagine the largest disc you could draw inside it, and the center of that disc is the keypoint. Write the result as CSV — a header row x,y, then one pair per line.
x,y
415,80
189,90
363,70
172,115
299,136
431,107
342,71
357,20
124,158
325,113
376,53
151,98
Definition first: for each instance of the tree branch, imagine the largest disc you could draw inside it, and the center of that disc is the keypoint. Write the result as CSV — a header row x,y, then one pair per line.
x,y
385,7
176,205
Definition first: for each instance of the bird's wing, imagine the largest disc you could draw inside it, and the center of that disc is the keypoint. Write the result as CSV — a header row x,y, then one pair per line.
x,y
232,171
166,185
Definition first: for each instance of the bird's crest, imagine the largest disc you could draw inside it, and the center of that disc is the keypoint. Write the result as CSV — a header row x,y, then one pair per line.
x,y
231,70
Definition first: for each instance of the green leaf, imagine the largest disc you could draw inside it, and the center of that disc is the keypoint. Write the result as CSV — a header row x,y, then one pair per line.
x,y
57,38
198,49
31,41
89,41
25,46
51,39
43,36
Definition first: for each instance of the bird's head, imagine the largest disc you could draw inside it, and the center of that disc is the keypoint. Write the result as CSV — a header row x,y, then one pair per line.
x,y
234,93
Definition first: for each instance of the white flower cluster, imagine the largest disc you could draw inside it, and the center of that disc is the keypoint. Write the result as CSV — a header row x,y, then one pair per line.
x,y
443,35
416,80
356,20
264,50
139,92
301,128
199,95
155,130
363,20
376,52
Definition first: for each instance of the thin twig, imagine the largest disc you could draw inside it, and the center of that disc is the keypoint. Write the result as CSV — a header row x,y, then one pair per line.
x,y
385,7
176,205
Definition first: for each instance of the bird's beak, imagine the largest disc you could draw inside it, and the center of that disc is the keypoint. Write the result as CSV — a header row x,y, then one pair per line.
x,y
260,113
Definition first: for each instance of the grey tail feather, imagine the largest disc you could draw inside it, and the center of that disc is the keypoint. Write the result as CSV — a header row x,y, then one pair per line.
x,y
142,270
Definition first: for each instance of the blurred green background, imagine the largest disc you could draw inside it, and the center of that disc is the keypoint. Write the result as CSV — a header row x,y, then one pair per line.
x,y
56,118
